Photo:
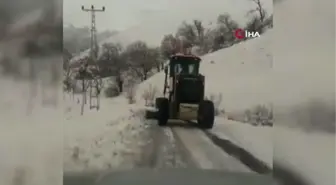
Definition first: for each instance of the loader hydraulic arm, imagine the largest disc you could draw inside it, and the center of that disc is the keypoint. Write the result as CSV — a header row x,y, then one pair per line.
x,y
165,81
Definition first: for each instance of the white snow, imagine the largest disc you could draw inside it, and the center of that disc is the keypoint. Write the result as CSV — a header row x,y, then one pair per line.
x,y
311,155
304,68
30,144
256,140
83,131
102,139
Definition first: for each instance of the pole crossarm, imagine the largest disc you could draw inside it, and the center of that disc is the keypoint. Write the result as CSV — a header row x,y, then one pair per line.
x,y
93,9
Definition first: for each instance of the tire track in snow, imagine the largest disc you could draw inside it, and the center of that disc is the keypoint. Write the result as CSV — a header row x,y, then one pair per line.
x,y
199,149
174,156
161,150
149,154
204,153
240,153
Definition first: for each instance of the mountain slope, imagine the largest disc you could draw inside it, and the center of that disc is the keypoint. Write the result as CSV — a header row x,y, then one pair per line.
x,y
154,27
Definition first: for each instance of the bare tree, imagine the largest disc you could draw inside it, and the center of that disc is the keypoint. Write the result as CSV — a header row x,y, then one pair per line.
x,y
218,39
68,82
187,30
200,30
259,9
209,38
186,36
254,24
269,22
140,59
155,56
113,63
191,34
226,27
168,46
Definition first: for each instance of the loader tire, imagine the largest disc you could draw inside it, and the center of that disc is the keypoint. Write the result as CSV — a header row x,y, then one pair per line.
x,y
206,114
157,102
163,111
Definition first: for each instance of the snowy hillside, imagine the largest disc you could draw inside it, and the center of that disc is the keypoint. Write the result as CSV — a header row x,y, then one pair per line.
x,y
166,21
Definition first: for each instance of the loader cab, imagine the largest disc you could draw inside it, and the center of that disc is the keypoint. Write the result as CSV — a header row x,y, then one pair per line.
x,y
180,65
183,64
183,82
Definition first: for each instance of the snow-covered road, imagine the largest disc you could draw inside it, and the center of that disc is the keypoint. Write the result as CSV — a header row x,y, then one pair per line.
x,y
180,145
247,137
204,153
128,141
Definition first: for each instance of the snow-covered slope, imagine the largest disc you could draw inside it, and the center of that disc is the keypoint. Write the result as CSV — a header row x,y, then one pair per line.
x,y
153,28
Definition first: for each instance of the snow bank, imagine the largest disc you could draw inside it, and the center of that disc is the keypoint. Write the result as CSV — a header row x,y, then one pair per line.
x,y
102,139
310,154
256,140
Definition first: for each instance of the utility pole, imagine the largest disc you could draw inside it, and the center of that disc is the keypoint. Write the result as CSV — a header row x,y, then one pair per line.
x,y
95,81
94,44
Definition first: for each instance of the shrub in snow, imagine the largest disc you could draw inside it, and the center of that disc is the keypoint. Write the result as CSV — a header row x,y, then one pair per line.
x,y
130,94
112,91
259,115
149,95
